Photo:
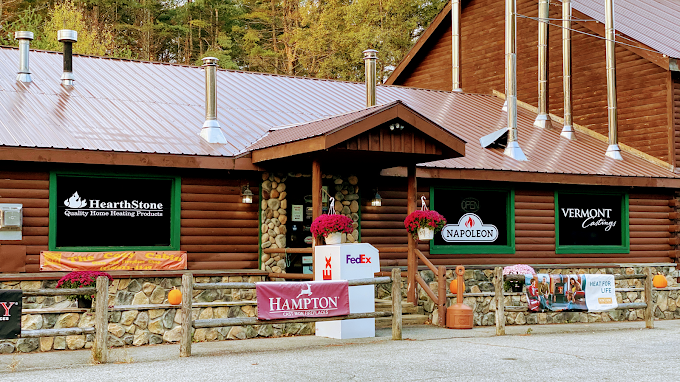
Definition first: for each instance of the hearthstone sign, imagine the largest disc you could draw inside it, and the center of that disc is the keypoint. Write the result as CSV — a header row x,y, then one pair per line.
x,y
277,300
113,261
105,212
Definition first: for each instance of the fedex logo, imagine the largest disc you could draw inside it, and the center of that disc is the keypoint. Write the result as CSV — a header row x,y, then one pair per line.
x,y
361,259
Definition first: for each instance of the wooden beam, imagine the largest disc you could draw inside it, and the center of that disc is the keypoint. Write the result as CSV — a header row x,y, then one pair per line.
x,y
289,149
187,329
531,177
27,154
316,204
412,189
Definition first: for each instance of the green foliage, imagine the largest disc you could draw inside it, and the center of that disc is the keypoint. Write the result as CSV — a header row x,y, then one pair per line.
x,y
318,38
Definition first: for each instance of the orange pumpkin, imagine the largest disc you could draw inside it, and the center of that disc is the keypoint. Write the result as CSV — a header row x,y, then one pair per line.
x,y
659,281
175,297
453,286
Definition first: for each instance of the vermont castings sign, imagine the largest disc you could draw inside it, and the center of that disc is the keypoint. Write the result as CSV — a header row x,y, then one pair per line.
x,y
10,314
277,300
113,212
590,219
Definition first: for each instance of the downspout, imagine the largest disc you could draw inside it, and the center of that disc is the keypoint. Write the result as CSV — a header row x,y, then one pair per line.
x,y
568,129
512,149
613,151
543,119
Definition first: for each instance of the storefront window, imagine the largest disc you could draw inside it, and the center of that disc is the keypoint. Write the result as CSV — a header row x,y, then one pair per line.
x,y
591,222
92,212
478,221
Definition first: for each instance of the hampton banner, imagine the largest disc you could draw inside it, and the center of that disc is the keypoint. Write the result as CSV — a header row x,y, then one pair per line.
x,y
277,300
592,293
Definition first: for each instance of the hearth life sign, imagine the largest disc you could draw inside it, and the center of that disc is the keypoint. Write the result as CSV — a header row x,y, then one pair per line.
x,y
113,212
589,220
478,219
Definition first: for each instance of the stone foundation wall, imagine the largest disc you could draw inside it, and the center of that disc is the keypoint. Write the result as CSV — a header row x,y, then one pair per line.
x,y
141,327
479,281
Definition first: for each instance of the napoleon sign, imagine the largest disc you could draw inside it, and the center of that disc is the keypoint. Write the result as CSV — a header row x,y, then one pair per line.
x,y
469,229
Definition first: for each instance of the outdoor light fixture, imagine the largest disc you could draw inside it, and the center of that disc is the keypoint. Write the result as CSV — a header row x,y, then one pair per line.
x,y
396,126
377,200
246,194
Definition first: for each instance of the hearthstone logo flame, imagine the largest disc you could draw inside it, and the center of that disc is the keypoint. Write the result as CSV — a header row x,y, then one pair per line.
x,y
470,223
75,202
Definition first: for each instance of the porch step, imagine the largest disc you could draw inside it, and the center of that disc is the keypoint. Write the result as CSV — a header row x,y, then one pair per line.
x,y
407,319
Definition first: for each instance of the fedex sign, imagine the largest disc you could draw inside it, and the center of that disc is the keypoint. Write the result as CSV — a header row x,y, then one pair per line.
x,y
361,259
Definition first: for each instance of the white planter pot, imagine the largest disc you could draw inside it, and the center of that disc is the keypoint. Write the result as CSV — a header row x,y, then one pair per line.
x,y
334,238
425,233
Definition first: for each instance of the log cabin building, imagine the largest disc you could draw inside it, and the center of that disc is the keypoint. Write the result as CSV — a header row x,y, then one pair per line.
x,y
154,133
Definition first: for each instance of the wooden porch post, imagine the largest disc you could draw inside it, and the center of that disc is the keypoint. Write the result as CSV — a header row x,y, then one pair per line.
x,y
411,262
316,203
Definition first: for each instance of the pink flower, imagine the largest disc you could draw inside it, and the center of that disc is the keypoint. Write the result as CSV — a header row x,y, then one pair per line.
x,y
327,224
424,219
519,269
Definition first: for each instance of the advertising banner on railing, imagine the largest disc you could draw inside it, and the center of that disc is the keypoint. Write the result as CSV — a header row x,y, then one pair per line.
x,y
113,261
10,314
277,300
592,293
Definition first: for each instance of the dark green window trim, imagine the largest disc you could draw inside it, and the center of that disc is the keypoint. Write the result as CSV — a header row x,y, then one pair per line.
x,y
480,249
625,227
175,211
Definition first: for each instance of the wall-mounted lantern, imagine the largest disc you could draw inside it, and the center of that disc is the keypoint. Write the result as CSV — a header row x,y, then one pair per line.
x,y
377,200
246,194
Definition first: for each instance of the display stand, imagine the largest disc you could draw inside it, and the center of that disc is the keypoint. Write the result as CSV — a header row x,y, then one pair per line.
x,y
349,262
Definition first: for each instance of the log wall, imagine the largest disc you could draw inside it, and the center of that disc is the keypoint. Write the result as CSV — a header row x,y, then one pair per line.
x,y
30,188
217,230
641,85
652,229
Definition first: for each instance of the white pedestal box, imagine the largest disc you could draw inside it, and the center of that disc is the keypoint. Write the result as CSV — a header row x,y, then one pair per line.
x,y
349,262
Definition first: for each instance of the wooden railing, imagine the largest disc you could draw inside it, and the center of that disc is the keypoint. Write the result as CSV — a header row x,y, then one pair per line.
x,y
648,305
440,274
101,327
188,323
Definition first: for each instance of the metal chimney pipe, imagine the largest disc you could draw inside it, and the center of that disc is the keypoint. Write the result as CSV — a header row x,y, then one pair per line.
x,y
543,119
370,57
68,37
568,129
455,46
613,151
211,130
512,149
24,37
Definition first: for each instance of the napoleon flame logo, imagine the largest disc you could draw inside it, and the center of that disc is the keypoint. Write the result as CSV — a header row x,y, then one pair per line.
x,y
75,202
470,223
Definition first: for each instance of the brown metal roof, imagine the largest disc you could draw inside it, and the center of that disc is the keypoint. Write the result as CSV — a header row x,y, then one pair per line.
x,y
286,134
129,106
655,23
